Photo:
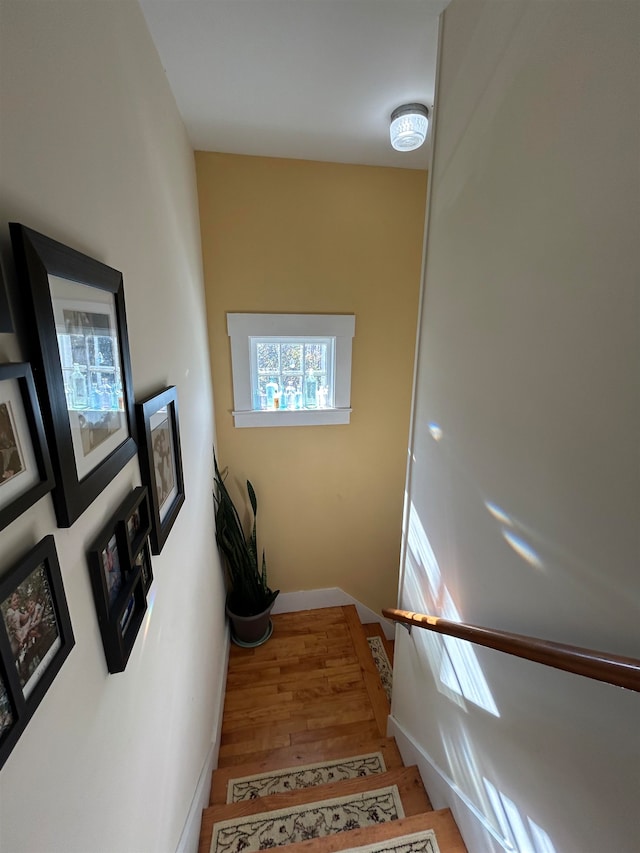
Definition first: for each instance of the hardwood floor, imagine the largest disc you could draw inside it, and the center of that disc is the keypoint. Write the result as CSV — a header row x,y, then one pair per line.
x,y
305,685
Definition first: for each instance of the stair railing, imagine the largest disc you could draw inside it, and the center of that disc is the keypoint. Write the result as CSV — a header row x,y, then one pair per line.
x,y
612,669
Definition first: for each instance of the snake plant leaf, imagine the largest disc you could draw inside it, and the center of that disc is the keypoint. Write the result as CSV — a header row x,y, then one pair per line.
x,y
252,498
248,590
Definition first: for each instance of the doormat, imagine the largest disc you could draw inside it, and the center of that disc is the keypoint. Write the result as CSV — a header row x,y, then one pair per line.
x,y
308,820
304,776
382,663
417,842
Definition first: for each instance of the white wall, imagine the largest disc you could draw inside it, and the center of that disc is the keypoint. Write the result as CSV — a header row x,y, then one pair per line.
x,y
93,153
524,472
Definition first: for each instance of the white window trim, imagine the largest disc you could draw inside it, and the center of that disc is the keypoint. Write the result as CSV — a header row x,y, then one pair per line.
x,y
241,327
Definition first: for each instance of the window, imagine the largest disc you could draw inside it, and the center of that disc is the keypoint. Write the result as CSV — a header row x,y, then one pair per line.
x,y
291,369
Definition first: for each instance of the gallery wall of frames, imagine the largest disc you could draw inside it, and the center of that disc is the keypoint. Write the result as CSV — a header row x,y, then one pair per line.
x,y
68,424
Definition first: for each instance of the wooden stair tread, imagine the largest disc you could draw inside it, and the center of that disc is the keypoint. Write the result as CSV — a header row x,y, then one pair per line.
x,y
441,821
377,696
311,753
333,737
412,795
410,787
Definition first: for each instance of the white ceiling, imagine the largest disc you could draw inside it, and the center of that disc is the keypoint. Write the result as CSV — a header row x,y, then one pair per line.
x,y
307,79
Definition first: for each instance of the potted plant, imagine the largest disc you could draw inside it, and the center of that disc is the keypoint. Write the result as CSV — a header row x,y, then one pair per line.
x,y
249,599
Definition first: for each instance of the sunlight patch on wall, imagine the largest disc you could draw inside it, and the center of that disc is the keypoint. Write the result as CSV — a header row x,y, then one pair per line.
x,y
498,513
464,768
515,540
147,621
521,833
523,549
516,832
454,662
435,430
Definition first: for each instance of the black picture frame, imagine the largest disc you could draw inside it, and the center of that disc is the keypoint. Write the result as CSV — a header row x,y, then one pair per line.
x,y
10,721
79,352
23,446
134,526
119,586
36,636
161,461
6,323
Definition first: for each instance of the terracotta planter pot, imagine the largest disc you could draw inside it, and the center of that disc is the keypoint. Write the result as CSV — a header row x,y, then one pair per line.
x,y
251,630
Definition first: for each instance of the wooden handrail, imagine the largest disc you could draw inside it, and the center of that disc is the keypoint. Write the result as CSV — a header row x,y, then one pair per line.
x,y
612,669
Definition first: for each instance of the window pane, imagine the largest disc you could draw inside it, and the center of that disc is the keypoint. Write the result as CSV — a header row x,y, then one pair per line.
x,y
268,357
292,358
315,358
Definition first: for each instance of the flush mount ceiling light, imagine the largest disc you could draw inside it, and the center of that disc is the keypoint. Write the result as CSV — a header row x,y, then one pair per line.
x,y
409,125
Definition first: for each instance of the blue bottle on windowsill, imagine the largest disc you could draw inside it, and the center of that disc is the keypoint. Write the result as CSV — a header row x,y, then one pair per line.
x,y
310,391
272,390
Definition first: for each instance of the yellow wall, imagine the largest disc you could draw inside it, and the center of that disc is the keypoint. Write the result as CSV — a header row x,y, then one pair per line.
x,y
293,236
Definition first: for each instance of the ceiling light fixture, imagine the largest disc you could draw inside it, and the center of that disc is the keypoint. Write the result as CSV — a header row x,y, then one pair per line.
x,y
409,125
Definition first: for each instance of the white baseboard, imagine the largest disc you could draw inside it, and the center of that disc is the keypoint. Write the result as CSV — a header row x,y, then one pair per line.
x,y
478,835
190,837
313,599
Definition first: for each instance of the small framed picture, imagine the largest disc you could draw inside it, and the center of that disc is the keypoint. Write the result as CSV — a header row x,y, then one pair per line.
x,y
125,624
135,523
142,562
35,632
161,462
80,354
124,618
117,578
112,571
25,467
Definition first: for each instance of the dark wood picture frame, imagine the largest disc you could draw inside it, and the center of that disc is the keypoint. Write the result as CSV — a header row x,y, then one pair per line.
x,y
6,323
84,431
161,461
10,721
134,526
30,451
119,589
36,636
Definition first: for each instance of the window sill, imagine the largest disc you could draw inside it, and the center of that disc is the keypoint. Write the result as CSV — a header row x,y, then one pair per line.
x,y
287,417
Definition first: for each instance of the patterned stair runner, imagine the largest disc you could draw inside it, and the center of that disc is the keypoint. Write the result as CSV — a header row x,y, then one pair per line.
x,y
305,776
417,842
308,820
382,663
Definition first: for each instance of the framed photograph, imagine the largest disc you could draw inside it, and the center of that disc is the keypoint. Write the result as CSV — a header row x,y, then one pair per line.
x,y
161,461
25,466
135,524
112,571
118,578
35,632
142,562
81,363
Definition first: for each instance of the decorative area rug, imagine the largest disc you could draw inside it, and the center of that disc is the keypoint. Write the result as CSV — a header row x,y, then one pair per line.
x,y
304,776
418,842
309,820
382,663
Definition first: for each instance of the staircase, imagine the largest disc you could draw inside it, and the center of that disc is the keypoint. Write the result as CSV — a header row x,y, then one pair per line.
x,y
304,762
